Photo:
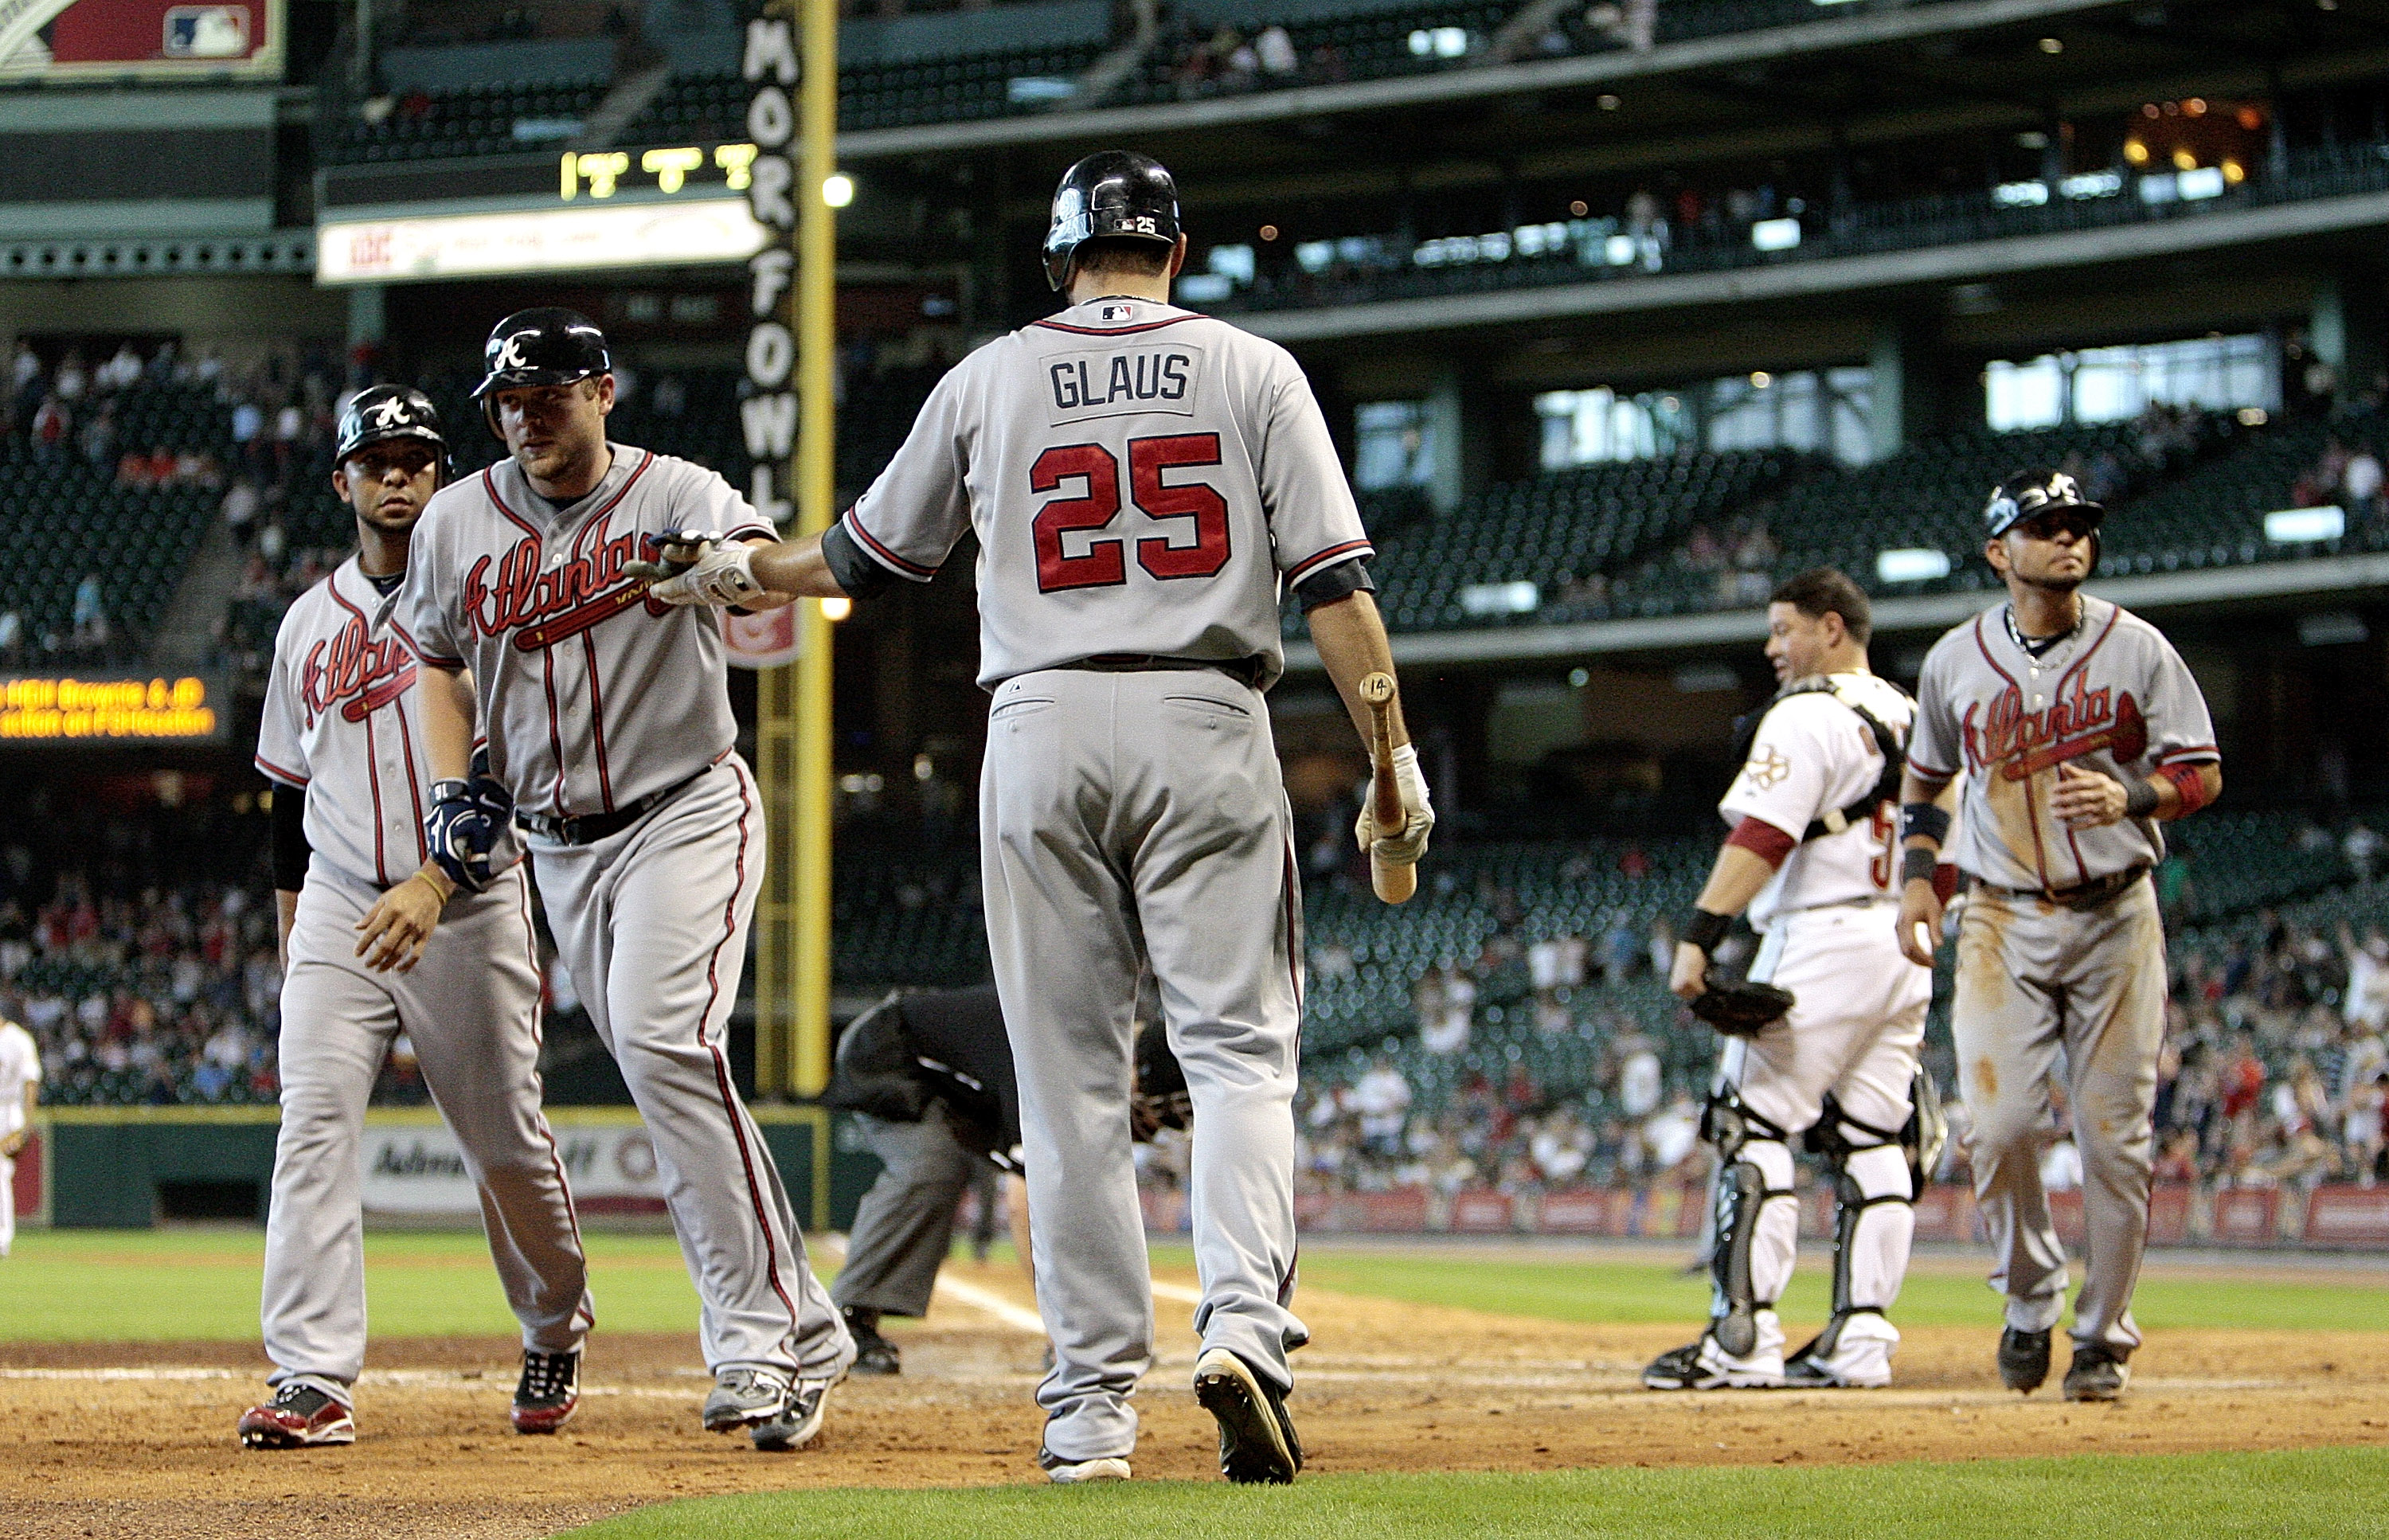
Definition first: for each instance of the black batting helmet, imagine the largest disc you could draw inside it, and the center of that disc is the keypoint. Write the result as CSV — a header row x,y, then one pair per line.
x,y
548,345
1112,192
2020,498
385,411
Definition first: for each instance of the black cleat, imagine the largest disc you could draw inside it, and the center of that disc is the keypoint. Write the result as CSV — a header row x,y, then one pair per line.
x,y
2023,1360
1258,1446
873,1353
549,1391
2096,1374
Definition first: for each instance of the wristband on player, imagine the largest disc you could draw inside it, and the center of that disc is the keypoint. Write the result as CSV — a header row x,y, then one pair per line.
x,y
2141,799
1705,930
1916,866
1924,818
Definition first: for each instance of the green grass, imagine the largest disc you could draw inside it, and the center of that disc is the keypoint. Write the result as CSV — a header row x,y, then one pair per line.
x,y
203,1284
2316,1493
1594,1290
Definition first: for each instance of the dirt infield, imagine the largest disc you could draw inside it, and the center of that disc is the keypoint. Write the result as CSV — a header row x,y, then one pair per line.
x,y
136,1440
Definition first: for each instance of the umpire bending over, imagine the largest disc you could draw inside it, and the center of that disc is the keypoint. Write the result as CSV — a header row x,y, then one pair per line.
x,y
2079,730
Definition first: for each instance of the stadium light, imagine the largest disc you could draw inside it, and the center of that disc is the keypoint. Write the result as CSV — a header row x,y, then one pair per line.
x,y
1775,234
2297,526
1518,598
837,190
1910,565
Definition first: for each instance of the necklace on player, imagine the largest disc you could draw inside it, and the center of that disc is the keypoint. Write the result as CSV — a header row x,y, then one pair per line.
x,y
2038,646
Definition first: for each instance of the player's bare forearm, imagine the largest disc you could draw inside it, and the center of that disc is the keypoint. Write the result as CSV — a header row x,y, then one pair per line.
x,y
2089,799
446,701
1351,637
1735,881
1920,902
794,569
286,914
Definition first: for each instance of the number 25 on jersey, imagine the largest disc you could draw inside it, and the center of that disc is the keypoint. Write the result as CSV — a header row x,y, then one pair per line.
x,y
1103,562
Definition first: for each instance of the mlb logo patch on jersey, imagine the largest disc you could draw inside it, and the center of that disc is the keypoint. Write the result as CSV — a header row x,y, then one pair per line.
x,y
1118,313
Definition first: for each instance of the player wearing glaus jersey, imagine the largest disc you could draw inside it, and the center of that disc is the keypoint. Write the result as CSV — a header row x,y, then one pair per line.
x,y
1145,482
608,722
343,741
1810,855
2079,731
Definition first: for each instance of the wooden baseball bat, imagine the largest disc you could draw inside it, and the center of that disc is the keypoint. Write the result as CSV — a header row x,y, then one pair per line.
x,y
1394,882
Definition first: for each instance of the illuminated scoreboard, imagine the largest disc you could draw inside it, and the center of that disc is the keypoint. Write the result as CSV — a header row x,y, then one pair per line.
x,y
69,709
672,206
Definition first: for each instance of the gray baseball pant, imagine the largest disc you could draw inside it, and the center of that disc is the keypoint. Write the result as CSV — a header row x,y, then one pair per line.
x,y
2036,979
471,1009
1128,817
905,1223
651,921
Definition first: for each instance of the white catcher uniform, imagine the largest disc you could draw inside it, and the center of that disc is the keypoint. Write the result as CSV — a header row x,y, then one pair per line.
x,y
1826,922
608,720
1143,482
342,728
20,1066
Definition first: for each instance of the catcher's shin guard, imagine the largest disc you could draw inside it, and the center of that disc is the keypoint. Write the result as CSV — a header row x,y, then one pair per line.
x,y
1756,1170
1874,1224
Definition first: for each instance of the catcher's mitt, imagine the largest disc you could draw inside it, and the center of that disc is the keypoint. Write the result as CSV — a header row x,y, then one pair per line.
x,y
1738,1007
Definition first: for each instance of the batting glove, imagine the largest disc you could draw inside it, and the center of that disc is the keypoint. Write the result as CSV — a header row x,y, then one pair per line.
x,y
461,828
1405,848
722,576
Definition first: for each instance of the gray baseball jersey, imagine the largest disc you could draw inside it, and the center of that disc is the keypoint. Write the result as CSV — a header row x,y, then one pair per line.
x,y
2115,697
340,705
2037,978
1143,482
1122,463
594,697
341,720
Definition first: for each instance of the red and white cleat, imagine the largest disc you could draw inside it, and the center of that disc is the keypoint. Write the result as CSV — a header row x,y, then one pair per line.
x,y
299,1417
549,1391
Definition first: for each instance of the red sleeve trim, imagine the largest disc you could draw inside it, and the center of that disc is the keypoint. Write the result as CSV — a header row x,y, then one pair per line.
x,y
1334,553
2195,753
274,771
1762,839
1929,772
888,558
746,530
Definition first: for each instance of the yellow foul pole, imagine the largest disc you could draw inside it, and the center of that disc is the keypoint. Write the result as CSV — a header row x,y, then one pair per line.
x,y
815,485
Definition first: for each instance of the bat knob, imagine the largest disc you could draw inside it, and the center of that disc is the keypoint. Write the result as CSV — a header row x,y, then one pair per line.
x,y
1377,688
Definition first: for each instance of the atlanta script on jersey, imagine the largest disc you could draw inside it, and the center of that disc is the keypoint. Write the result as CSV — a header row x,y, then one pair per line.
x,y
340,721
592,694
2112,697
1142,479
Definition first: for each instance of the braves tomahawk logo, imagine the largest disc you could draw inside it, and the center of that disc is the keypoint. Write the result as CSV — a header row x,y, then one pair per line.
x,y
542,606
353,671
2021,744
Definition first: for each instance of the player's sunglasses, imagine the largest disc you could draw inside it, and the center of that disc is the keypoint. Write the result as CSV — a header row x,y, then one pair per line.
x,y
2046,526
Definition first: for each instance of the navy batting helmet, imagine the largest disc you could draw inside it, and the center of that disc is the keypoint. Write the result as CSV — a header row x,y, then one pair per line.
x,y
549,346
1112,192
2022,498
385,411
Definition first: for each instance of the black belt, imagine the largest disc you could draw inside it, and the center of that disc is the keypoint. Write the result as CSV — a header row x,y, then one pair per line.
x,y
2095,894
589,828
1245,670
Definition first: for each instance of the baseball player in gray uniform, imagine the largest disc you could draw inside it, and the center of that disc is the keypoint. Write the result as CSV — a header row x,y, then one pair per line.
x,y
1145,483
1810,854
342,739
2079,731
608,722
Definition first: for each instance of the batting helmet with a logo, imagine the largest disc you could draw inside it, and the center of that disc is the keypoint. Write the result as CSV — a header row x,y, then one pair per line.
x,y
384,412
1111,193
549,346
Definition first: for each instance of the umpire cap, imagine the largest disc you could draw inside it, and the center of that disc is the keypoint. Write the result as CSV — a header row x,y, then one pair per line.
x,y
548,345
1112,192
383,412
2020,498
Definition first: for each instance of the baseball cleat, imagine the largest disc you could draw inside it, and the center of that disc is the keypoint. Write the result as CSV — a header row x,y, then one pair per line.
x,y
1852,1353
745,1396
548,1393
800,1421
1257,1439
1062,1472
2023,1360
1703,1366
299,1417
2096,1374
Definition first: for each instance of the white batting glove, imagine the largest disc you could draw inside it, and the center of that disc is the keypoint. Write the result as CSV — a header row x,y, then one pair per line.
x,y
1405,848
722,576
